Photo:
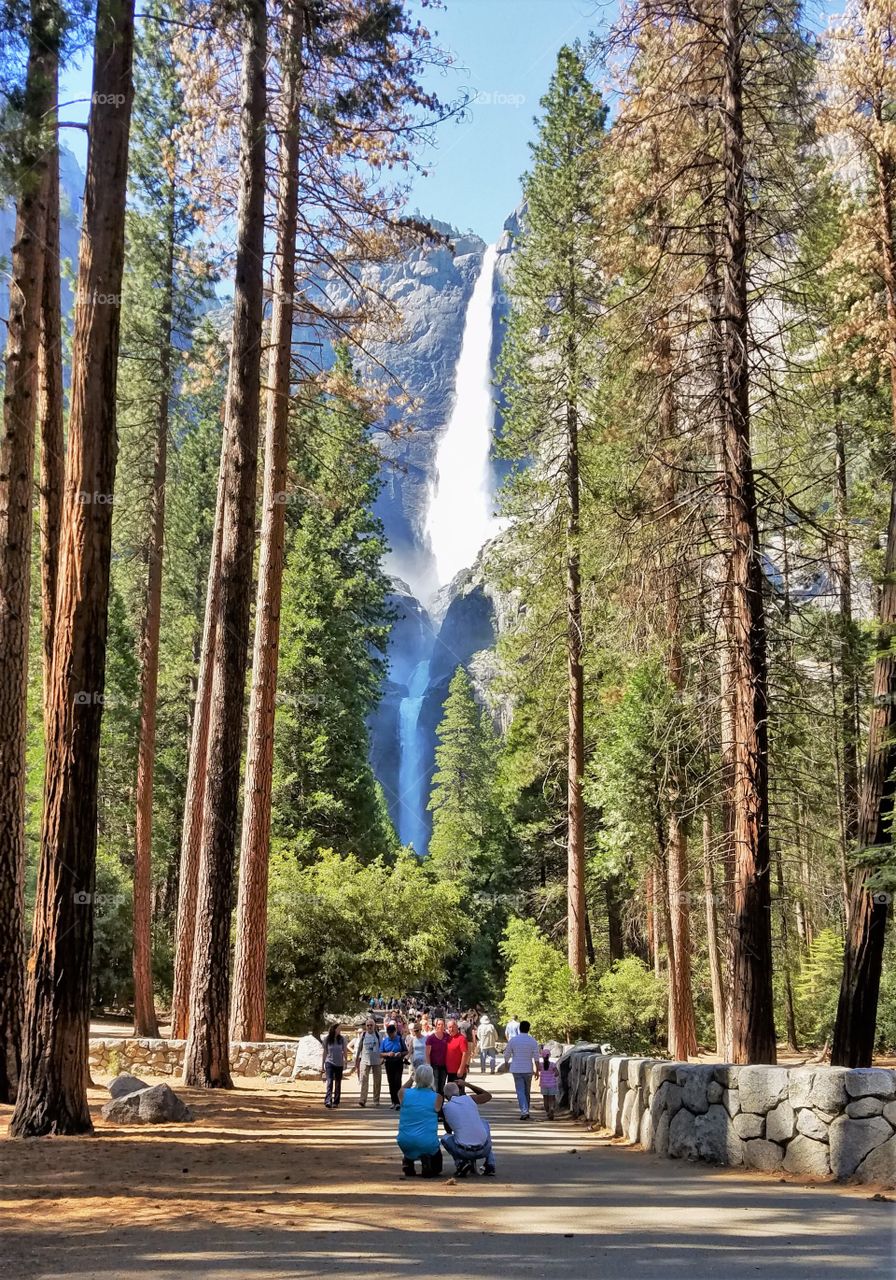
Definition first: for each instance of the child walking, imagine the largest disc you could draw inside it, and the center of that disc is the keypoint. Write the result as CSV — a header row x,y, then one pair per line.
x,y
549,1079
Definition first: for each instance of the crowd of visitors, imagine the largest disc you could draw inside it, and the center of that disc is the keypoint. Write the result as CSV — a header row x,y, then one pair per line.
x,y
438,1050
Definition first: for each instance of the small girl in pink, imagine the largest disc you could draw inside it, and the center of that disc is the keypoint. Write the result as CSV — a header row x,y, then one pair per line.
x,y
549,1079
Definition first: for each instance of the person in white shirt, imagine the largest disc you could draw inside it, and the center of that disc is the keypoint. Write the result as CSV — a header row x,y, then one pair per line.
x,y
521,1054
469,1137
512,1029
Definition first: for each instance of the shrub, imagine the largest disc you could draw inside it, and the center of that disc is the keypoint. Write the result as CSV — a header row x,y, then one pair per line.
x,y
631,1005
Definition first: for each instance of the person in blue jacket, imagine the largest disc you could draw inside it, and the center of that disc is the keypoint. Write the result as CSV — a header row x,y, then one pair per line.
x,y
418,1125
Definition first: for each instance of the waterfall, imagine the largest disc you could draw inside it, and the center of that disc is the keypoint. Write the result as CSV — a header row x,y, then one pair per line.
x,y
412,797
460,517
459,521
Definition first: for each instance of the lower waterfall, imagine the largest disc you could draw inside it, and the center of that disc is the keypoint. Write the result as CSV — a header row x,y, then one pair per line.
x,y
412,773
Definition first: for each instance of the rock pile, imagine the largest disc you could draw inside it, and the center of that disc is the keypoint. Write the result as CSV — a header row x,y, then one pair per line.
x,y
109,1057
823,1122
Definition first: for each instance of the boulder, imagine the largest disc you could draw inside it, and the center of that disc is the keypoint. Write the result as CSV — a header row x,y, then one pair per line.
x,y
714,1092
661,1134
861,1108
645,1133
555,1048
716,1139
811,1125
695,1082
763,1155
829,1089
851,1140
683,1136
727,1075
805,1155
124,1084
309,1054
731,1101
864,1082
666,1098
880,1165
779,1123
802,1080
889,1112
158,1104
748,1125
762,1088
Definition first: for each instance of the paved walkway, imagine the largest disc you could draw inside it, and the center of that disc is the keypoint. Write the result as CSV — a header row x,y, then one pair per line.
x,y
566,1205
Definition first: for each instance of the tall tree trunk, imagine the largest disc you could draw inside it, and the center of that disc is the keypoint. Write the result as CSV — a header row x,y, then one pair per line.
x,y
194,798
207,1056
248,1021
576,709
16,486
50,420
712,939
855,1028
789,1015
752,1021
849,671
52,1096
145,1022
682,1023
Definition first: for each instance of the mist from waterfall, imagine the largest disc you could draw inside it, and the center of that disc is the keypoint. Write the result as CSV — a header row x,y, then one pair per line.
x,y
412,827
460,519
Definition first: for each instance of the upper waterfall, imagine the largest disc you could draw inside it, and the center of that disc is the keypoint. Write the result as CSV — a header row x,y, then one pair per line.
x,y
460,518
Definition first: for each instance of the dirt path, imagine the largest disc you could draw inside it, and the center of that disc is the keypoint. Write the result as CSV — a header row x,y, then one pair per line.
x,y
268,1184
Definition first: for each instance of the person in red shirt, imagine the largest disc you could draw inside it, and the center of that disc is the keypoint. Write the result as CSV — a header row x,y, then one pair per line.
x,y
436,1054
457,1053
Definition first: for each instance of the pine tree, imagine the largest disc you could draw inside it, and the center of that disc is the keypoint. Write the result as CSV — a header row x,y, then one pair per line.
x,y
334,633
52,1095
546,365
468,828
34,152
207,1053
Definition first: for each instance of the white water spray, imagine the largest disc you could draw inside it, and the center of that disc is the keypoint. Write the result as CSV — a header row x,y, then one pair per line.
x,y
460,517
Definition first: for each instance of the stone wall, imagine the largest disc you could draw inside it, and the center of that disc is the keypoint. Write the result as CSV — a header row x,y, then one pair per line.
x,y
827,1122
109,1057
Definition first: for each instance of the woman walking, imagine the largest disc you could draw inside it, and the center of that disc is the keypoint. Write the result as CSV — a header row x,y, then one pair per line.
x,y
333,1064
416,1045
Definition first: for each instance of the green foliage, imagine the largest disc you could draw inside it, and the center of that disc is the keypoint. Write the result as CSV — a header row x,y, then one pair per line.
x,y
339,928
541,986
631,1007
468,828
817,987
334,633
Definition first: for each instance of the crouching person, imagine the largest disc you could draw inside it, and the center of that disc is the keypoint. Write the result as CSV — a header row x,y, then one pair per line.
x,y
418,1125
469,1138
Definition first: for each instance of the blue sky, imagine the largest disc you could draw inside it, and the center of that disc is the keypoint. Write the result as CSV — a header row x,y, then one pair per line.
x,y
504,53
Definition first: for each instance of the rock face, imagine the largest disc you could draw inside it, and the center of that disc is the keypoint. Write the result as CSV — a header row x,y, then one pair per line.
x,y
767,1118
156,1104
